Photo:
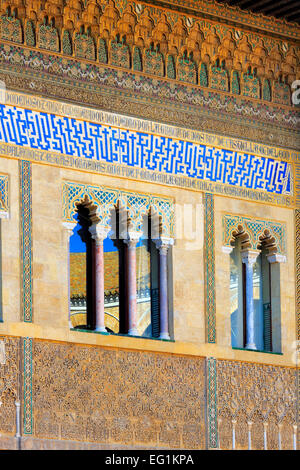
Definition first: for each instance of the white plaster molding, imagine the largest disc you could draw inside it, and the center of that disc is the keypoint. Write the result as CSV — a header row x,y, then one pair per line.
x,y
163,244
249,256
4,215
69,227
276,258
227,249
131,237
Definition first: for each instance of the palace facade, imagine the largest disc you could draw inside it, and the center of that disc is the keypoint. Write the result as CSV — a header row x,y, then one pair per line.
x,y
149,226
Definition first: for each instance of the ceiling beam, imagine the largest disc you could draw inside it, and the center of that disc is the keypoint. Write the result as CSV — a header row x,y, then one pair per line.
x,y
294,14
241,2
285,9
276,5
254,5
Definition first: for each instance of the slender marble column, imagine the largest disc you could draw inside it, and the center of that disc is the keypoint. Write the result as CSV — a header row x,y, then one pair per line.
x,y
99,233
69,226
131,241
249,435
295,437
265,436
163,244
249,258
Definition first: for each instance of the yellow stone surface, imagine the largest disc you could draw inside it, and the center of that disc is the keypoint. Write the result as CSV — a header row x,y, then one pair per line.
x,y
50,269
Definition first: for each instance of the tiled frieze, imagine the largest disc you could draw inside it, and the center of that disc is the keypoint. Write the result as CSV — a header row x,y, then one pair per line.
x,y
255,229
99,142
26,238
107,199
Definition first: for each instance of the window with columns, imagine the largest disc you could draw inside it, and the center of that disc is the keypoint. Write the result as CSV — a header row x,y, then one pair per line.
x,y
255,311
119,269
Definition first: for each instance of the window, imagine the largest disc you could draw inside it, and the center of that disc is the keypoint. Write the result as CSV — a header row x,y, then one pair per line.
x,y
255,296
118,278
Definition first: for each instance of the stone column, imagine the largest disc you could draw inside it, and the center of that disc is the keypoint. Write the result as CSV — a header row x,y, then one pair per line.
x,y
131,240
249,435
163,244
99,233
69,226
295,437
265,436
275,260
249,258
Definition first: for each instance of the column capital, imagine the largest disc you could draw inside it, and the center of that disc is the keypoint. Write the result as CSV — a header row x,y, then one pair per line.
x,y
69,227
249,256
131,237
4,215
163,244
99,232
276,258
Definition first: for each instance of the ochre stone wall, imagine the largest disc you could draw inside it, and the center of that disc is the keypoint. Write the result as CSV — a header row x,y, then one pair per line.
x,y
117,397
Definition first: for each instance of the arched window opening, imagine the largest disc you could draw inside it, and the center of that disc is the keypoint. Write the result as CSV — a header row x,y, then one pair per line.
x,y
81,271
118,275
255,294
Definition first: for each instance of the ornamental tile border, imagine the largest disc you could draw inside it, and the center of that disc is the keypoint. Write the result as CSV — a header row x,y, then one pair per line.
x,y
254,228
212,407
4,198
27,355
25,170
210,294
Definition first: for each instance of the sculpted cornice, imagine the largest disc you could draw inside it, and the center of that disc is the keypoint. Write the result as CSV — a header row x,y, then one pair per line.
x,y
232,15
159,42
120,94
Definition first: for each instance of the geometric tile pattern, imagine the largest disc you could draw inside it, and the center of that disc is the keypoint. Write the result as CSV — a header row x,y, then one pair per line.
x,y
27,355
93,141
4,203
212,407
106,199
26,239
254,228
210,295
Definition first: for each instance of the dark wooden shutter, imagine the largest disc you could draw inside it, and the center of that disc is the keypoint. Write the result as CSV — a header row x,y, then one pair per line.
x,y
155,312
267,327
